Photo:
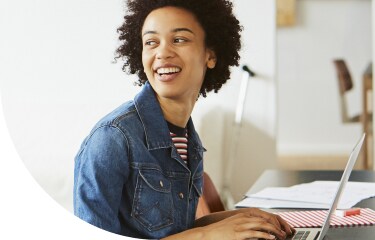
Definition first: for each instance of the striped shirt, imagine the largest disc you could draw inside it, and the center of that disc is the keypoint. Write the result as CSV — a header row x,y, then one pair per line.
x,y
180,140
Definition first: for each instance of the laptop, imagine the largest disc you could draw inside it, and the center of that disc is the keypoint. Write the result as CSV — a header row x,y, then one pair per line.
x,y
319,233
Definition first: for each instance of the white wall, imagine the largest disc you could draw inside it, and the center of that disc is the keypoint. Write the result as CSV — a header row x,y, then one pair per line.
x,y
57,80
308,98
256,143
373,57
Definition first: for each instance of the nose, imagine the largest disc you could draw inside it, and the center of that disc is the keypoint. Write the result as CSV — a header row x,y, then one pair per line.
x,y
165,51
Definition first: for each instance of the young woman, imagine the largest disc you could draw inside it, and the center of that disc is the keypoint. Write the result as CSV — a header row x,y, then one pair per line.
x,y
139,173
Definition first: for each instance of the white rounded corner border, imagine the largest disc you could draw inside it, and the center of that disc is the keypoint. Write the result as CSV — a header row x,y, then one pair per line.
x,y
27,211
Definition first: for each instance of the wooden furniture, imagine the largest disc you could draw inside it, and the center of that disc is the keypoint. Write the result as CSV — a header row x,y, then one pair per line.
x,y
345,83
285,13
367,118
210,201
280,178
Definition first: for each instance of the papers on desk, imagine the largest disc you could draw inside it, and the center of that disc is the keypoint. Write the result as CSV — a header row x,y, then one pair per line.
x,y
314,195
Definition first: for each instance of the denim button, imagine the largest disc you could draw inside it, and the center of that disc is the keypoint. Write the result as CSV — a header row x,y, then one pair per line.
x,y
181,195
161,183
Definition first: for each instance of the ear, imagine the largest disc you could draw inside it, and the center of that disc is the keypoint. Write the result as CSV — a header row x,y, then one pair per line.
x,y
211,58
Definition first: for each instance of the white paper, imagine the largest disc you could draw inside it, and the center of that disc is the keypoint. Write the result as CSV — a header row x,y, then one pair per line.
x,y
270,203
318,194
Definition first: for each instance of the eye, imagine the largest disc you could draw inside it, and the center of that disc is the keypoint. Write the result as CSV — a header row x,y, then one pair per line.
x,y
150,42
180,40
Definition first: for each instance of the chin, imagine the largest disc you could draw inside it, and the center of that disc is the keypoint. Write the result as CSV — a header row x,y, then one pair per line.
x,y
169,95
165,92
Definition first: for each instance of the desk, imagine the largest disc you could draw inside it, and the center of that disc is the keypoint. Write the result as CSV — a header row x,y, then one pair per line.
x,y
279,178
367,87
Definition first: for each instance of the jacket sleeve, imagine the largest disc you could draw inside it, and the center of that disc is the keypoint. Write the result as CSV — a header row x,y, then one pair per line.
x,y
100,172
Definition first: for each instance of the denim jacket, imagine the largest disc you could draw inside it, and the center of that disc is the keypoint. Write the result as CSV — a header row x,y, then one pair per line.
x,y
129,178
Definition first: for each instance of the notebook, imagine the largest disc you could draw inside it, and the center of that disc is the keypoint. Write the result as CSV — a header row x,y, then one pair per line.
x,y
319,233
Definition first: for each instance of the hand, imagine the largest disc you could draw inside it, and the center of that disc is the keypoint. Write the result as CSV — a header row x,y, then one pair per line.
x,y
243,226
271,218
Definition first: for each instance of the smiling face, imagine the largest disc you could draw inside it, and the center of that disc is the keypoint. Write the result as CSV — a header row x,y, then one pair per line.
x,y
174,54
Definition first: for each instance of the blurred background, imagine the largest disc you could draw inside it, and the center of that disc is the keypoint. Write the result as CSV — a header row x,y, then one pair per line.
x,y
58,79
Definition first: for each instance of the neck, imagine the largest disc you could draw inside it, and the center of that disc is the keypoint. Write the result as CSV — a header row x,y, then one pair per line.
x,y
176,112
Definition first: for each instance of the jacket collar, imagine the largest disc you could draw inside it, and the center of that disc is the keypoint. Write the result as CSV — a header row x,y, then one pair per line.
x,y
154,124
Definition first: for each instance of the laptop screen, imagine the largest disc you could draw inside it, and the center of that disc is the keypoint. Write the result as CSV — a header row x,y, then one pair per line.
x,y
344,179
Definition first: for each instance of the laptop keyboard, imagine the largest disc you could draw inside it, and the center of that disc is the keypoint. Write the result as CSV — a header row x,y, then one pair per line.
x,y
301,235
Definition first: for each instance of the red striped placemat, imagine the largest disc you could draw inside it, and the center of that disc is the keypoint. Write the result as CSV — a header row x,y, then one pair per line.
x,y
316,218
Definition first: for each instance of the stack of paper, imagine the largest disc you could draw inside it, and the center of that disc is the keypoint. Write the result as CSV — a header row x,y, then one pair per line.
x,y
314,195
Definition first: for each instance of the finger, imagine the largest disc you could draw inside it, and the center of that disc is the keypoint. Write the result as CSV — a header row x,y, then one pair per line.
x,y
261,216
255,234
263,226
285,226
249,223
245,222
273,220
259,222
244,218
266,215
277,221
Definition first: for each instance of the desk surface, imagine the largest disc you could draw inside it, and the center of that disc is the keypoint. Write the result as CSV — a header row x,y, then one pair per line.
x,y
279,178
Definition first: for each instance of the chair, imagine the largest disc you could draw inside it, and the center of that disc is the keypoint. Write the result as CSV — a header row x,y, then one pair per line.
x,y
345,85
210,201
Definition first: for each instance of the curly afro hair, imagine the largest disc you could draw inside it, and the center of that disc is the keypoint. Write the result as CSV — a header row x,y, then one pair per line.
x,y
222,31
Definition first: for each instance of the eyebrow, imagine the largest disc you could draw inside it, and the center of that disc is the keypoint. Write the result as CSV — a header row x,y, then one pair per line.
x,y
174,30
182,30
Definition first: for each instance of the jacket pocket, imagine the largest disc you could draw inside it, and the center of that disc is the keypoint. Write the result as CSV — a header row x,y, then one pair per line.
x,y
153,203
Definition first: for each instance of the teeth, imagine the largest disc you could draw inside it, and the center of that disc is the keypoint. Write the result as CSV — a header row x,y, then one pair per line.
x,y
168,70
